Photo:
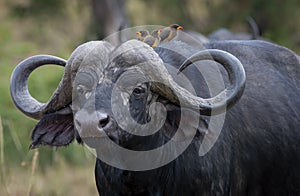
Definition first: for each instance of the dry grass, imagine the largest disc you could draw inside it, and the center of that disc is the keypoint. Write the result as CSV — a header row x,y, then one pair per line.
x,y
61,179
2,161
33,169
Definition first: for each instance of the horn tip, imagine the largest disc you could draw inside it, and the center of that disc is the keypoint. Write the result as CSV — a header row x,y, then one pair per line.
x,y
178,72
182,67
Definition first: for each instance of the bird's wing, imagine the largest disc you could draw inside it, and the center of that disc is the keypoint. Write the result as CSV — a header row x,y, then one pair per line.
x,y
150,40
164,34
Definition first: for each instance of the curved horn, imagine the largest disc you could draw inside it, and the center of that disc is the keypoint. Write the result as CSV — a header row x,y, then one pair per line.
x,y
138,54
89,58
228,96
145,58
19,84
255,32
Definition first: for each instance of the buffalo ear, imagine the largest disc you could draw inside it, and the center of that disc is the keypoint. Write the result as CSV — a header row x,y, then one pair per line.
x,y
54,130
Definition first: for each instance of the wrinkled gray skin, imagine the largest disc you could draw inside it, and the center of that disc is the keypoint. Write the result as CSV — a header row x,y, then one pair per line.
x,y
257,152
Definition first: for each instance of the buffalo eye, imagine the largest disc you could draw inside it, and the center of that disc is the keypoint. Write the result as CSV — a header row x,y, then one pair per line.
x,y
82,90
138,91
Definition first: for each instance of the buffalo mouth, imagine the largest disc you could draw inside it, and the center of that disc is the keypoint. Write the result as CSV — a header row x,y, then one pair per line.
x,y
95,138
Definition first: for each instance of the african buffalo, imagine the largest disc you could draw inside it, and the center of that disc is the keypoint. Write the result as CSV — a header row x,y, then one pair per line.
x,y
225,34
108,95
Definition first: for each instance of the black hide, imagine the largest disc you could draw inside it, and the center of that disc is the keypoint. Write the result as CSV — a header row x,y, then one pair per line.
x,y
258,150
256,154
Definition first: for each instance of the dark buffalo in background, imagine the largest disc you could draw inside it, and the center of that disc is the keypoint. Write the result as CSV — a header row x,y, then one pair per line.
x,y
225,34
256,153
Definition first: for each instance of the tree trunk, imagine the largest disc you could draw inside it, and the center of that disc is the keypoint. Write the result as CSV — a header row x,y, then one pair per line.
x,y
108,17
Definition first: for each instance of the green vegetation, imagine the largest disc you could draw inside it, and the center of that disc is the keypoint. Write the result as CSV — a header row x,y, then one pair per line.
x,y
278,20
21,37
56,27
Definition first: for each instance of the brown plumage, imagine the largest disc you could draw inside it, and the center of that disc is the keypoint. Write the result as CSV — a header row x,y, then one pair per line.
x,y
140,35
156,33
152,40
168,33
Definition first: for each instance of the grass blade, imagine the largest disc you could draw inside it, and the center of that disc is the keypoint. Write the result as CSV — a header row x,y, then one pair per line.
x,y
2,161
33,169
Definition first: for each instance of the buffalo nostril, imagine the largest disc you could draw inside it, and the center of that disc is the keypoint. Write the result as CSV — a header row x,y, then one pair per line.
x,y
103,122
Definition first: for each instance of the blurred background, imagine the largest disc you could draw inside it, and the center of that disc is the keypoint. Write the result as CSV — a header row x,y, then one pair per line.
x,y
57,27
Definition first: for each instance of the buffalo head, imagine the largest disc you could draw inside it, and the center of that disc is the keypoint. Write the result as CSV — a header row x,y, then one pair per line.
x,y
122,93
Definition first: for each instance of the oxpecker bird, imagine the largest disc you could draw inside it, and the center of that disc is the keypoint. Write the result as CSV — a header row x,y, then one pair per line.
x,y
152,40
140,35
168,33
